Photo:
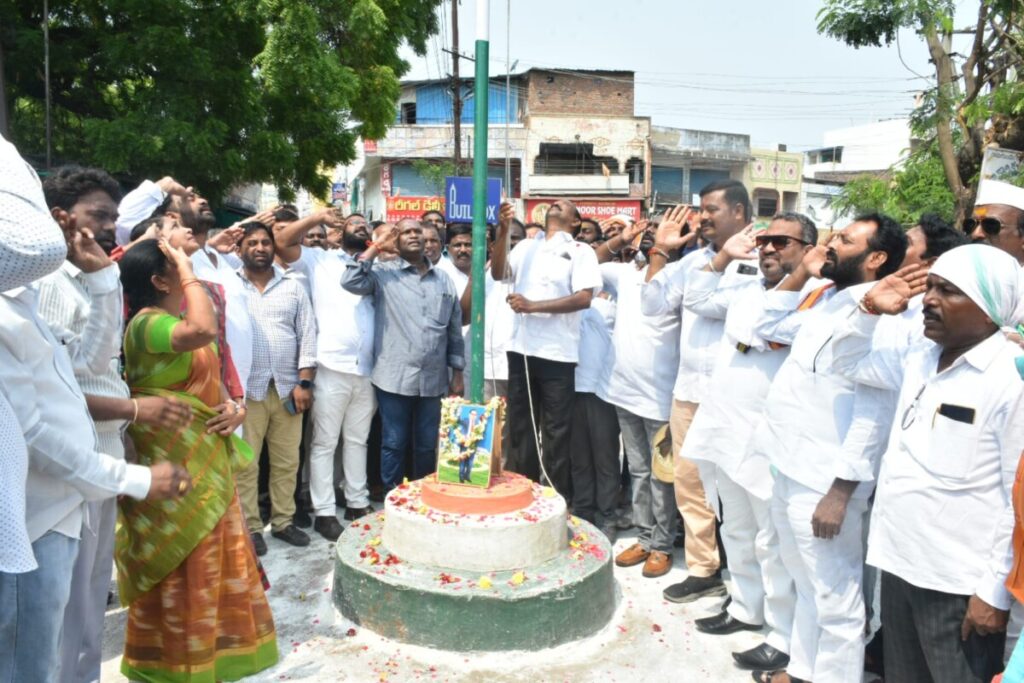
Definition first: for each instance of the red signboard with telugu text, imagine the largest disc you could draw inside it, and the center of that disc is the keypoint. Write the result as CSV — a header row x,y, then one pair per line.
x,y
597,209
412,207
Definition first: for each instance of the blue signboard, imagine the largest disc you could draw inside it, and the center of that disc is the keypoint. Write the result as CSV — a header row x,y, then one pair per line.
x,y
458,193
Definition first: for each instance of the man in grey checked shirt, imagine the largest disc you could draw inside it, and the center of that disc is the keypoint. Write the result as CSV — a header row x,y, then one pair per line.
x,y
417,338
280,382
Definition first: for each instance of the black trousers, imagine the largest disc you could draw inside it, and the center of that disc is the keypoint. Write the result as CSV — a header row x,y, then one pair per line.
x,y
922,637
553,385
594,447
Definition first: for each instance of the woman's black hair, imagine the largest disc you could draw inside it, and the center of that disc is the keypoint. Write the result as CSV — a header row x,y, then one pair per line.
x,y
138,266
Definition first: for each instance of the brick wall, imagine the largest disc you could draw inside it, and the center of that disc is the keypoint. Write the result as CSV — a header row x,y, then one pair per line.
x,y
609,93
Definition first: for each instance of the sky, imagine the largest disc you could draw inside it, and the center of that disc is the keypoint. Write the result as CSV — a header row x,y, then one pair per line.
x,y
737,66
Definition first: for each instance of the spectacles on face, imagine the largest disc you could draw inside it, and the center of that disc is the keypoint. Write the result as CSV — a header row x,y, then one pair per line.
x,y
777,241
991,226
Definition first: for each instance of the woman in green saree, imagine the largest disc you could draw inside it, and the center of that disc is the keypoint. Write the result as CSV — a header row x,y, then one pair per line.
x,y
186,569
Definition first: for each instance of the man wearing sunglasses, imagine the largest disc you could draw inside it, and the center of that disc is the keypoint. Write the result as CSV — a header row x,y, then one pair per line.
x,y
943,517
998,218
762,591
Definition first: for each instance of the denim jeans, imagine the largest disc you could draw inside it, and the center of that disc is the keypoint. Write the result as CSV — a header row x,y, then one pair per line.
x,y
404,419
654,510
32,611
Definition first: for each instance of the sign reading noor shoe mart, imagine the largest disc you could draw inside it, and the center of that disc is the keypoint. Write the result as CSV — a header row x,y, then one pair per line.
x,y
458,194
596,209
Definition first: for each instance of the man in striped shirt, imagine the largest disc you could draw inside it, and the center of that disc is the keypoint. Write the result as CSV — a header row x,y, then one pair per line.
x,y
280,382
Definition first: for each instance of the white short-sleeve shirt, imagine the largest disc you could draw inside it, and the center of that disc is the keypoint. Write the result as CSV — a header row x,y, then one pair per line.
x,y
544,269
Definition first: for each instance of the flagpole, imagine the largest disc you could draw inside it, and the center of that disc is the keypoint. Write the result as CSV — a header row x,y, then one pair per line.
x,y
480,137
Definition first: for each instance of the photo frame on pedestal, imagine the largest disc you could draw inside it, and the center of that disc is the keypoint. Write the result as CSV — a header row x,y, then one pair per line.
x,y
469,442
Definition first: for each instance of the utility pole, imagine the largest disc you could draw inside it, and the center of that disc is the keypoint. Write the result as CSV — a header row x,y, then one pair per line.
x,y
456,89
46,78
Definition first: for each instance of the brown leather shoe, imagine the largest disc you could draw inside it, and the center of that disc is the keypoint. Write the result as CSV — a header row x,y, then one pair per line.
x,y
657,564
633,555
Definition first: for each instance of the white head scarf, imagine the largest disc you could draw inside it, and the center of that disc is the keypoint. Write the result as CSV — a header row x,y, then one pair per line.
x,y
990,277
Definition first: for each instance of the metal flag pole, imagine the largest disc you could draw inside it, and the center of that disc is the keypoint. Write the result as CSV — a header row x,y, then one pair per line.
x,y
476,389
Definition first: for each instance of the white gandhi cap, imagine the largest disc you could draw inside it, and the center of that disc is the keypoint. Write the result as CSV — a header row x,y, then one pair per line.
x,y
998,192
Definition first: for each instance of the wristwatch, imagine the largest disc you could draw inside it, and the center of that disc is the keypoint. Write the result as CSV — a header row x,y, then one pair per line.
x,y
306,383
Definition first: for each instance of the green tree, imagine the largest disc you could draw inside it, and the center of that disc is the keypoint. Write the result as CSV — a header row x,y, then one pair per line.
x,y
434,173
215,93
976,99
919,186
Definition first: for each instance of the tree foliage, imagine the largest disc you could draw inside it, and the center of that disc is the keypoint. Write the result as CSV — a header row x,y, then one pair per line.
x,y
976,99
212,92
434,173
916,188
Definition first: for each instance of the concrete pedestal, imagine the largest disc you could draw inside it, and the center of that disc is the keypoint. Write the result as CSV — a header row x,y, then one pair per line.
x,y
566,598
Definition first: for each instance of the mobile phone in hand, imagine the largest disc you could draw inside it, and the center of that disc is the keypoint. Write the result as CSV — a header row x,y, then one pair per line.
x,y
289,405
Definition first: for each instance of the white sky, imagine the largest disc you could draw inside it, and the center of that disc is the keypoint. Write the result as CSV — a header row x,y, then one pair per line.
x,y
741,66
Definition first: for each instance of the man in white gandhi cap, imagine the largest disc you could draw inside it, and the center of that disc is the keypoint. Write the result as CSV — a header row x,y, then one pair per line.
x,y
998,218
943,521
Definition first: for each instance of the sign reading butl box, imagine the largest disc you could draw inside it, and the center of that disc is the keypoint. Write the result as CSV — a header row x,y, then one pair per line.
x,y
458,193
412,207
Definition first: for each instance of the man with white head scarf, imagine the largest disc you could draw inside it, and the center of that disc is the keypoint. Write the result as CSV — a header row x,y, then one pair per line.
x,y
943,518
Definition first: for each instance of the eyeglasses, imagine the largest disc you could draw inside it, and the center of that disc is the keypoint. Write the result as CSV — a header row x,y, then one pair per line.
x,y
991,226
910,414
777,241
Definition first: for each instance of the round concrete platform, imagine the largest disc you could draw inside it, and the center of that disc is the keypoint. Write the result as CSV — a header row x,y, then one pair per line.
x,y
564,599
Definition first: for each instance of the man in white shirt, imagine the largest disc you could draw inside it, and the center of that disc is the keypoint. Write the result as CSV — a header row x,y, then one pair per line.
x,y
594,436
640,390
343,399
724,211
998,218
943,517
31,246
554,277
822,481
761,590
65,467
89,197
459,261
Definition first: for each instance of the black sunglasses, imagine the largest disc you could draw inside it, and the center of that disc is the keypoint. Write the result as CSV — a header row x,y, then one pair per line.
x,y
991,226
777,241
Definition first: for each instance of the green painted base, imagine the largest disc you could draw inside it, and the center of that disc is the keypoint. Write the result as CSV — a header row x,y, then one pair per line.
x,y
565,599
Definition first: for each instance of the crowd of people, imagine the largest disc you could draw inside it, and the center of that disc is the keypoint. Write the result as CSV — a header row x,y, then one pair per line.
x,y
843,412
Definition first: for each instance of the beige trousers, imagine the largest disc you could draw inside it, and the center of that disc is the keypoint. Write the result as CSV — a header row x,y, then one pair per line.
x,y
698,519
268,420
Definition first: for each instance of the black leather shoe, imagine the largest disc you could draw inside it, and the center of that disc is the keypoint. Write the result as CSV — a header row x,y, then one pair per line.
x,y
292,535
764,657
302,519
259,544
352,514
328,526
722,624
